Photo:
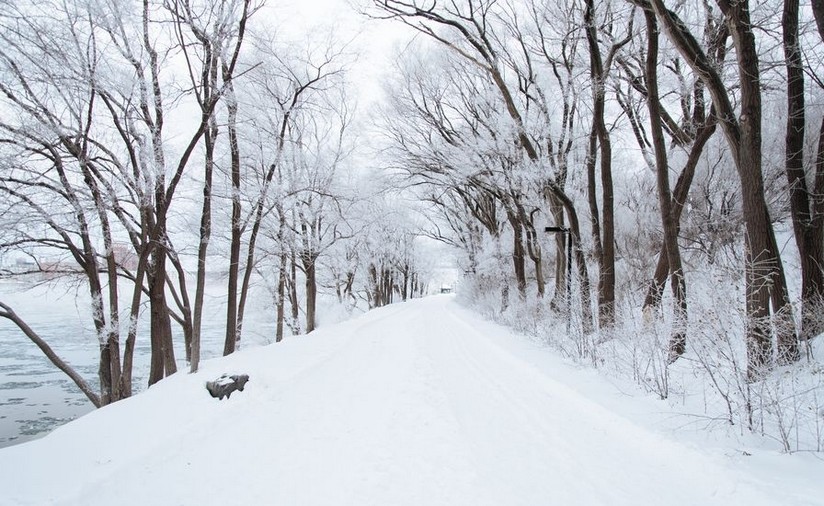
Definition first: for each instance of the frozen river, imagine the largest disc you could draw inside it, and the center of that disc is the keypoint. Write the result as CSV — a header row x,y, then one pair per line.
x,y
36,397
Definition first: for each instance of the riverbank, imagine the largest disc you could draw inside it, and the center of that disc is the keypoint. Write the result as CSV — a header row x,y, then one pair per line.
x,y
36,397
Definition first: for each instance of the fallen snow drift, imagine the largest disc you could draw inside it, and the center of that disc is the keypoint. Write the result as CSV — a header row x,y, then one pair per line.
x,y
418,403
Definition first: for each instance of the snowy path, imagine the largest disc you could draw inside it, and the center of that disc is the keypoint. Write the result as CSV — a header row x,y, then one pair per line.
x,y
411,404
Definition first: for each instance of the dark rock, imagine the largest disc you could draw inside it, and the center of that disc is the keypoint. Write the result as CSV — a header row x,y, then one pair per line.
x,y
225,385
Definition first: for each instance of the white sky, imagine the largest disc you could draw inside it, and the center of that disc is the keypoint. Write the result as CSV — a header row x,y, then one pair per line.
x,y
374,40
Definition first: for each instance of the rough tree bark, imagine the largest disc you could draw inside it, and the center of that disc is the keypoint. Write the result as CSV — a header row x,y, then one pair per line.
x,y
606,261
311,290
210,136
679,197
678,337
518,252
809,235
699,130
764,275
232,334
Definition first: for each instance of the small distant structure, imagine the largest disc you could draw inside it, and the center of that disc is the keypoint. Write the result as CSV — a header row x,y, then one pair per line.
x,y
24,265
446,288
124,255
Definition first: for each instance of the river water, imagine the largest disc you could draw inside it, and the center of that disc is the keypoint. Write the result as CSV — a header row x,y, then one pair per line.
x,y
36,397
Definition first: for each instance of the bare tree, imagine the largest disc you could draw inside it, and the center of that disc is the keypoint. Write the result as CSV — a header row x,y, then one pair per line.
x,y
605,242
476,44
64,174
678,339
217,30
321,152
807,223
764,272
292,88
101,113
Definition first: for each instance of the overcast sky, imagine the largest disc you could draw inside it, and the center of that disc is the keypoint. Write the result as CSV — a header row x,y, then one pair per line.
x,y
375,40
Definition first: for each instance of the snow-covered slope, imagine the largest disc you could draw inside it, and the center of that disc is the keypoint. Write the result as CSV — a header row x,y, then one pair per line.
x,y
418,403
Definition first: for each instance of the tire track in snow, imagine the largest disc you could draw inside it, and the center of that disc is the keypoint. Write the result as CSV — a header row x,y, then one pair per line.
x,y
357,422
484,400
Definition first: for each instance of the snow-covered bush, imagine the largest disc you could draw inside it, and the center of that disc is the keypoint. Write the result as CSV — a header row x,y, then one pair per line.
x,y
708,383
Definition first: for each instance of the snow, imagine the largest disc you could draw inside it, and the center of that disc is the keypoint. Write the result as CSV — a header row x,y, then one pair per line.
x,y
224,380
417,403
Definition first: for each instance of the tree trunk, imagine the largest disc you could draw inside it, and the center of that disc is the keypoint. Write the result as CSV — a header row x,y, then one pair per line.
x,y
232,335
374,292
533,248
293,293
678,337
387,284
680,194
311,289
131,337
405,273
162,359
816,228
592,193
538,262
606,261
703,127
280,302
807,237
811,326
251,248
162,355
183,303
518,255
559,297
113,332
763,270
818,14
209,138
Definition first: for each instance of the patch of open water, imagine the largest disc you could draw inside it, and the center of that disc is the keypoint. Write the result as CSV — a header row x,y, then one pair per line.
x,y
36,397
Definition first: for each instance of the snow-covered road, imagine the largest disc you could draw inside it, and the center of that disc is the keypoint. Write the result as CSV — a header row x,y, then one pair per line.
x,y
417,403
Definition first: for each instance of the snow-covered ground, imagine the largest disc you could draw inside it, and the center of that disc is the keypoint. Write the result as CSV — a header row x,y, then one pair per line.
x,y
416,403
